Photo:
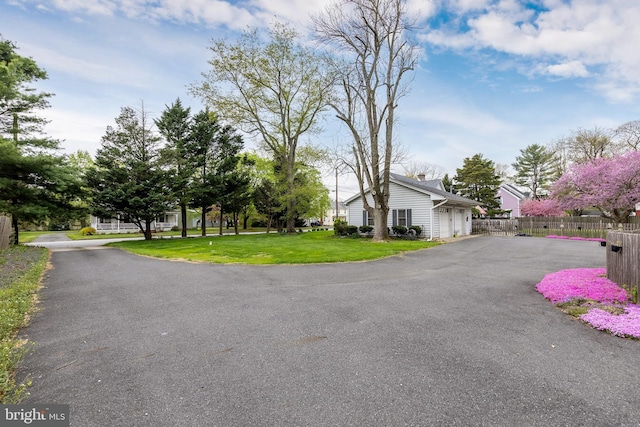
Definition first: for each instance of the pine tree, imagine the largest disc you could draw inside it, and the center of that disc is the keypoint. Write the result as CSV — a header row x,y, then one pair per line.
x,y
535,169
478,180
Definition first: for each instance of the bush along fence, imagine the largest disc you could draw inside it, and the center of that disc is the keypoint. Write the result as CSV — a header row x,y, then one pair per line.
x,y
588,227
623,268
5,232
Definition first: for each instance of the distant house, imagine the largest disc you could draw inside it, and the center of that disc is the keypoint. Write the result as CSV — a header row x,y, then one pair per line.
x,y
163,222
332,214
510,199
439,213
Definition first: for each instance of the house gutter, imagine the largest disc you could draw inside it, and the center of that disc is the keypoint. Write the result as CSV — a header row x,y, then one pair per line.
x,y
432,209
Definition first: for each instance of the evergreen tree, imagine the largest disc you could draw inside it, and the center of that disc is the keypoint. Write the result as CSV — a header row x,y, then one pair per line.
x,y
35,183
477,180
174,126
535,169
216,151
128,181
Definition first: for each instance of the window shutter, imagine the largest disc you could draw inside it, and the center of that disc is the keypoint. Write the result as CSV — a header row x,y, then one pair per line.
x,y
409,224
364,217
395,217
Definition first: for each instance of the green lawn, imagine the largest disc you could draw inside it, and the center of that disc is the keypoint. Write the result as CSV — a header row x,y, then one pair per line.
x,y
20,270
301,248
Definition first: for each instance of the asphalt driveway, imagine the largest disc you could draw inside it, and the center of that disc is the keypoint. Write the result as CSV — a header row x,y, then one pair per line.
x,y
453,335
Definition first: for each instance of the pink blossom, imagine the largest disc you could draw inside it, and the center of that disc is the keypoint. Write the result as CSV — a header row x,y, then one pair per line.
x,y
623,325
611,185
545,207
587,283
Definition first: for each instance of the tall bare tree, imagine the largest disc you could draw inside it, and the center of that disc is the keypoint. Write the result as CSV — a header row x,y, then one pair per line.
x,y
373,38
628,135
275,89
585,145
429,170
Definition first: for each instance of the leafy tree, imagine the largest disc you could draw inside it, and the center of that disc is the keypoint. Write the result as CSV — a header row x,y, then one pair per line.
x,y
35,182
477,180
612,185
447,183
267,202
374,39
128,181
535,169
237,192
541,207
174,126
216,151
275,89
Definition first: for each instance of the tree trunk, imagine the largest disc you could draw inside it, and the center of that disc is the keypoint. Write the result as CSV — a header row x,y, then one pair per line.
x,y
14,223
147,230
380,215
183,214
203,222
220,219
235,223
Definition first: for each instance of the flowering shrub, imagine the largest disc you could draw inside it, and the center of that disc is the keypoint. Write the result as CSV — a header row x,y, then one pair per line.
x,y
627,324
587,289
544,207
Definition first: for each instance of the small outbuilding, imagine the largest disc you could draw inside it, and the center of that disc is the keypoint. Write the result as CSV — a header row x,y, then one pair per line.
x,y
439,213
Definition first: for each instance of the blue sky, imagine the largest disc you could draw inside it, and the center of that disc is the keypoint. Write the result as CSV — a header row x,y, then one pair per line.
x,y
495,76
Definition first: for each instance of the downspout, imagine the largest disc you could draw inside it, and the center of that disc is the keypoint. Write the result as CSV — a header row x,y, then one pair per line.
x,y
431,225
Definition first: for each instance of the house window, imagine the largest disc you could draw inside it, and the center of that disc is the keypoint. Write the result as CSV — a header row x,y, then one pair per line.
x,y
367,219
402,217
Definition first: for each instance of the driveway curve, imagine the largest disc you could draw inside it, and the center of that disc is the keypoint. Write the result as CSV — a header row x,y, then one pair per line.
x,y
453,335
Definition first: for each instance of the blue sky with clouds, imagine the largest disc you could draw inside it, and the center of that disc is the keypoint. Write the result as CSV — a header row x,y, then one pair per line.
x,y
495,76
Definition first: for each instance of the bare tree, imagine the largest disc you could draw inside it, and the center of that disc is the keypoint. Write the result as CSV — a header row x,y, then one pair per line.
x,y
429,170
585,145
373,38
628,135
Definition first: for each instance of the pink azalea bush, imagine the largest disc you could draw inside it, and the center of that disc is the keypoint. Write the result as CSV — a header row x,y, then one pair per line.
x,y
622,325
543,207
591,289
584,283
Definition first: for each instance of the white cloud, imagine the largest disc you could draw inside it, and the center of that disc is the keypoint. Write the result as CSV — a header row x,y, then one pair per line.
x,y
568,69
572,37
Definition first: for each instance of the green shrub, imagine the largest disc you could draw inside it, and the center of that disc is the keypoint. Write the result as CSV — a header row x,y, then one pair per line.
x,y
339,227
175,228
400,230
417,229
88,231
366,229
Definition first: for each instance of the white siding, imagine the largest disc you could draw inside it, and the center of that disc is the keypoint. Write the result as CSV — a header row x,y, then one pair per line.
x,y
400,198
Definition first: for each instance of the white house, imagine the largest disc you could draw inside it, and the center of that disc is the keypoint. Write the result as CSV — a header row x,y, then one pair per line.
x,y
123,225
417,202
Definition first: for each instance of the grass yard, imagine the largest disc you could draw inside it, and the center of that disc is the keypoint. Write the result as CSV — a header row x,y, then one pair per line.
x,y
20,270
301,248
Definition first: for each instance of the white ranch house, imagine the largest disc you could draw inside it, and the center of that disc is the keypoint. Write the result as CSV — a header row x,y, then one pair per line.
x,y
417,202
120,225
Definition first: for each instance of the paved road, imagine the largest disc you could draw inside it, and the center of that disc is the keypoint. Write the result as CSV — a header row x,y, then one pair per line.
x,y
454,335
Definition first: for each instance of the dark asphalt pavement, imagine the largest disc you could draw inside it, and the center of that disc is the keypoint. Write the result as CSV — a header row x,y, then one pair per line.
x,y
453,335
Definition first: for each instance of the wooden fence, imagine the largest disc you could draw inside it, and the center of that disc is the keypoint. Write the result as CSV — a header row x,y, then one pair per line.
x,y
593,227
5,232
623,250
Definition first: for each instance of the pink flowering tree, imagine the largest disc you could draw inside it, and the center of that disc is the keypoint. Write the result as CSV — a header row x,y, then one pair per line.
x,y
543,207
610,185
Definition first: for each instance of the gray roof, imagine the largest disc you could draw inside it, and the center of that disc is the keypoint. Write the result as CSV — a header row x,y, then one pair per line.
x,y
513,190
432,187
